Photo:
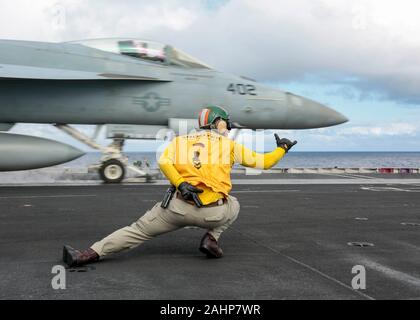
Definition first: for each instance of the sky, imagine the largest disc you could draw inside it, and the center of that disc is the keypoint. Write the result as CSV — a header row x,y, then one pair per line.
x,y
360,57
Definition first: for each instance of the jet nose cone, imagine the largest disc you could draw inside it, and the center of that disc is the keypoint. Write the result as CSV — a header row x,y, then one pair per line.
x,y
333,118
308,114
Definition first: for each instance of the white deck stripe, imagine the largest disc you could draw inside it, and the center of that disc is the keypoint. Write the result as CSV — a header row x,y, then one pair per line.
x,y
388,272
376,181
264,191
326,181
56,196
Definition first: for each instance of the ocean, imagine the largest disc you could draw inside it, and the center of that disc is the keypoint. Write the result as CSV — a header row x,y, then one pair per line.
x,y
298,159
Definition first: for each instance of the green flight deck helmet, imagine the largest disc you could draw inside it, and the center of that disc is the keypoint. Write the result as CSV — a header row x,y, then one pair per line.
x,y
209,115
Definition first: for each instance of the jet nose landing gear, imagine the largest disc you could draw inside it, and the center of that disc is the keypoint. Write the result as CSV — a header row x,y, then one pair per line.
x,y
113,164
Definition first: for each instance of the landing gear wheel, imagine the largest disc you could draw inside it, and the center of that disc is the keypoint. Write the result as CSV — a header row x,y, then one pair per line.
x,y
112,171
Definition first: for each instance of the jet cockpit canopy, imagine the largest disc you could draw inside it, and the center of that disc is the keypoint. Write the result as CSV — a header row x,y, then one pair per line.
x,y
145,50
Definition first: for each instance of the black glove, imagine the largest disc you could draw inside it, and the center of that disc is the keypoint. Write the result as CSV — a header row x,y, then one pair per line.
x,y
284,143
189,192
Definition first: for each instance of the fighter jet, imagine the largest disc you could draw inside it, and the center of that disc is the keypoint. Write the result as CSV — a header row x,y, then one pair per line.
x,y
135,87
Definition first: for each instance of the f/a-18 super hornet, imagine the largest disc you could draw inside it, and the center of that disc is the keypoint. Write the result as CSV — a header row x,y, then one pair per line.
x,y
135,87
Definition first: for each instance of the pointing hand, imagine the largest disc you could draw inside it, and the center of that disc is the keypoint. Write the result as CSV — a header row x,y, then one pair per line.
x,y
284,143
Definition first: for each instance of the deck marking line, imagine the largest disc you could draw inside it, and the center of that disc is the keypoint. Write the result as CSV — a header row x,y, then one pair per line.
x,y
308,267
56,196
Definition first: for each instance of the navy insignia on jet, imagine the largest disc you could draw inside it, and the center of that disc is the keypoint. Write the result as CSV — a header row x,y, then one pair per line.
x,y
151,101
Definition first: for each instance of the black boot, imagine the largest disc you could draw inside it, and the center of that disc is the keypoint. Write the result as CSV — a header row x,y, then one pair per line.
x,y
210,247
77,258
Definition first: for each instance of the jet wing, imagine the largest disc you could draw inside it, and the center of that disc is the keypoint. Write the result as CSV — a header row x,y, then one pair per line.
x,y
6,126
11,71
66,61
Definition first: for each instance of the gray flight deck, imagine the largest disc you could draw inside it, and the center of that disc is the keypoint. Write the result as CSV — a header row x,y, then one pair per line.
x,y
289,242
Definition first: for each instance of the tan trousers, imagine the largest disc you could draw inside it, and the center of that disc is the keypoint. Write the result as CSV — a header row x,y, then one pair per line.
x,y
157,221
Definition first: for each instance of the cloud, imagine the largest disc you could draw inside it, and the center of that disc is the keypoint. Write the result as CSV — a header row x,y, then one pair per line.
x,y
397,136
393,129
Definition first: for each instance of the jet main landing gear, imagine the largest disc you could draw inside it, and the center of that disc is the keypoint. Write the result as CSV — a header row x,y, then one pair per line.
x,y
113,164
112,171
